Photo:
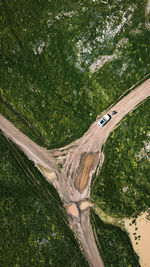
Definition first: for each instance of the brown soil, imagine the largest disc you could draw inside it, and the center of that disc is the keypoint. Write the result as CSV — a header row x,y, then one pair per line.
x,y
87,163
72,210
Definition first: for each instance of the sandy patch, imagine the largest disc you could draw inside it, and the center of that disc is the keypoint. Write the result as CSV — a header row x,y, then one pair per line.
x,y
72,210
47,173
139,233
85,204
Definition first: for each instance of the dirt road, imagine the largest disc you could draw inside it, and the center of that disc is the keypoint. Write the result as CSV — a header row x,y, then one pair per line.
x,y
80,160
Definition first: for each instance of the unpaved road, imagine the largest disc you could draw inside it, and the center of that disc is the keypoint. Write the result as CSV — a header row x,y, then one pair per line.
x,y
80,160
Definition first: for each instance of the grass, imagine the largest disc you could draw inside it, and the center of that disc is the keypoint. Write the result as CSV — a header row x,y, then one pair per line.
x,y
114,245
129,179
31,212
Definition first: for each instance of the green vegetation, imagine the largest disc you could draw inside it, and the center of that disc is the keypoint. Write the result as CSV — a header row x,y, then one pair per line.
x,y
46,50
47,90
33,228
114,243
123,190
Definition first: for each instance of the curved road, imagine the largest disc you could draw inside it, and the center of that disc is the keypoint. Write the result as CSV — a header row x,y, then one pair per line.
x,y
80,160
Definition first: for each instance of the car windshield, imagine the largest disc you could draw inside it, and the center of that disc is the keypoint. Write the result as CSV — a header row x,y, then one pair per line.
x,y
101,122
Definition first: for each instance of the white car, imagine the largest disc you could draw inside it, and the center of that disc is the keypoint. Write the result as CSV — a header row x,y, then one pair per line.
x,y
104,120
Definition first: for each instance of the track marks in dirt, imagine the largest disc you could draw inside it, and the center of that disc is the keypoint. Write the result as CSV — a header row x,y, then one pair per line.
x,y
88,162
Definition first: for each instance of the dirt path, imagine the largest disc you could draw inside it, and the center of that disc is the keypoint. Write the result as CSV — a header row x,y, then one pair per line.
x,y
80,160
90,144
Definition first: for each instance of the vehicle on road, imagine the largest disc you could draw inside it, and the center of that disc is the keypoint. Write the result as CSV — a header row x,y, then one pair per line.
x,y
104,120
114,112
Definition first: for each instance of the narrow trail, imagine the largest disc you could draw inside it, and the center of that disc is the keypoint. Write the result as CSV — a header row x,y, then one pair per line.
x,y
80,160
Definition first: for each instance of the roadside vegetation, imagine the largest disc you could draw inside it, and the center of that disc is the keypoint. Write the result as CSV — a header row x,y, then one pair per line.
x,y
114,245
122,187
34,229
